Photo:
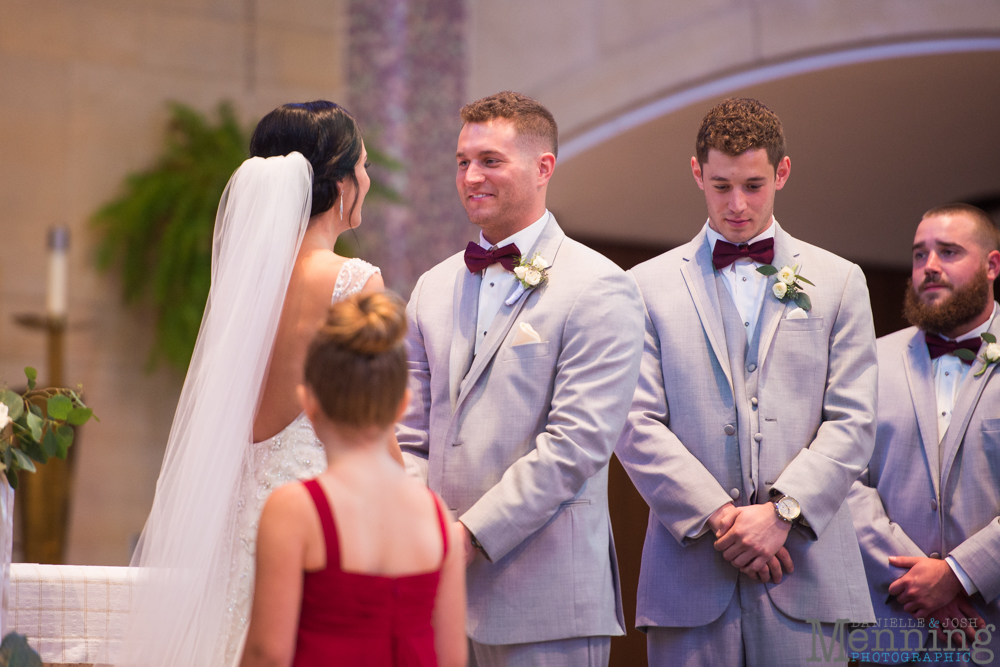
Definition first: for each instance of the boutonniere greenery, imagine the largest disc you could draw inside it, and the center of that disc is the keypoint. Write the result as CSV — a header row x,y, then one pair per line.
x,y
530,274
787,288
991,354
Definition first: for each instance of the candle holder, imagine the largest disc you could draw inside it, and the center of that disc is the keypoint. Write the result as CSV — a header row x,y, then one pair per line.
x,y
43,497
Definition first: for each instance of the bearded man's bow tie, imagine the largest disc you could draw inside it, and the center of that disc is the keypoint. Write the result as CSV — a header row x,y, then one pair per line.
x,y
938,346
726,253
478,258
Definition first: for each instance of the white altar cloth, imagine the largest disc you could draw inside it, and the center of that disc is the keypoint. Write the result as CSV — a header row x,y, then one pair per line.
x,y
71,613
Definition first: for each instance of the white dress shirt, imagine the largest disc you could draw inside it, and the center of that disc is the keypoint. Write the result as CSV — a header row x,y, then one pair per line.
x,y
746,285
498,282
949,373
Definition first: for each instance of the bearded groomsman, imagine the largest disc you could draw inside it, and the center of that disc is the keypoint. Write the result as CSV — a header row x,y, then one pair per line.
x,y
523,356
753,415
926,509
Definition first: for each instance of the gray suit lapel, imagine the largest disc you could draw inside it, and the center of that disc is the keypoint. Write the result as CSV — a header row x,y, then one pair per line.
x,y
968,397
464,319
699,275
920,377
547,246
786,253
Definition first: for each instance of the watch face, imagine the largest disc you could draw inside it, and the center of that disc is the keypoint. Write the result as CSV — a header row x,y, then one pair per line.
x,y
788,508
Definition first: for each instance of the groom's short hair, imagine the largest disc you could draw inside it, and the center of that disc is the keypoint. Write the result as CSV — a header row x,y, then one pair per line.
x,y
737,125
530,118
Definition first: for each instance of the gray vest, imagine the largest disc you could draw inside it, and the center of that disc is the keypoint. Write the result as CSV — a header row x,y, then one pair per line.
x,y
743,362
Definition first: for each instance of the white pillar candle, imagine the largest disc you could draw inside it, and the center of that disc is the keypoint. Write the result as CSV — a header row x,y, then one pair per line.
x,y
55,297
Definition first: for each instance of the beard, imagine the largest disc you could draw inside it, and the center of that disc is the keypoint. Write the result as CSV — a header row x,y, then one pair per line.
x,y
962,306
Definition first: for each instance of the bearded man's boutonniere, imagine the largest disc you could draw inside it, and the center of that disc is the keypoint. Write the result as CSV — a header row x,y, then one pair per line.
x,y
787,288
991,354
530,274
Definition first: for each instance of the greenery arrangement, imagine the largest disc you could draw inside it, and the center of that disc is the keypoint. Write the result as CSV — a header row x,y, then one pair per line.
x,y
160,230
29,434
16,652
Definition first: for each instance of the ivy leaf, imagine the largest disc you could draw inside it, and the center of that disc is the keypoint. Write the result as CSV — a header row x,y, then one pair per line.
x,y
14,403
32,375
767,270
802,301
967,355
11,478
805,280
50,445
64,438
59,407
7,457
33,450
35,425
989,338
35,410
79,416
23,461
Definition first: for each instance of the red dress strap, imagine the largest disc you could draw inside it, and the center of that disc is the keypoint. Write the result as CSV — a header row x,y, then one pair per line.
x,y
444,528
326,519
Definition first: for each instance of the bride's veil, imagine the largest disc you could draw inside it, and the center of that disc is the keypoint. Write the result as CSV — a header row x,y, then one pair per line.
x,y
186,549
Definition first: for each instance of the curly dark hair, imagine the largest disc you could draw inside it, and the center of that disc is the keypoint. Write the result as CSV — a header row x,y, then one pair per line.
x,y
326,135
740,124
530,118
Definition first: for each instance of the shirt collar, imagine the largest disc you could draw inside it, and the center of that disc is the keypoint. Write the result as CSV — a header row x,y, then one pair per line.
x,y
980,330
524,239
714,236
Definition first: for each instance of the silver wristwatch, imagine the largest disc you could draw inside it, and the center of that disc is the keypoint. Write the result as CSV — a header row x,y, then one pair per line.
x,y
787,508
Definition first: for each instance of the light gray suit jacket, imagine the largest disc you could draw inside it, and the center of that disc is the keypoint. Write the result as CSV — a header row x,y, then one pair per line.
x,y
919,498
815,414
517,440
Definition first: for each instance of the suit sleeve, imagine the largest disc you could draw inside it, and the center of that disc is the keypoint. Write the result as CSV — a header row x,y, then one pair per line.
x,y
679,490
878,537
820,476
979,556
596,368
412,429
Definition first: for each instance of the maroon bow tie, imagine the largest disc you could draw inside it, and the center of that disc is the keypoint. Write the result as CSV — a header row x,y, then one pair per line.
x,y
938,346
478,258
726,253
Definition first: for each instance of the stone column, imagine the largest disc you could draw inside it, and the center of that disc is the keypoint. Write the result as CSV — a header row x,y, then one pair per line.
x,y
406,75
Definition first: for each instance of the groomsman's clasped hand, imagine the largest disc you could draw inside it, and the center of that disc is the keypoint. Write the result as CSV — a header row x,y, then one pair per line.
x,y
752,539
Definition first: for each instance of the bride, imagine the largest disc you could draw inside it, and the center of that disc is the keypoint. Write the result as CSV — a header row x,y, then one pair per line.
x,y
238,432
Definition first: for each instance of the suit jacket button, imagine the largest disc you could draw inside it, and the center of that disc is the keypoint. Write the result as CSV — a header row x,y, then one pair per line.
x,y
751,368
935,555
729,429
758,437
734,494
753,401
934,504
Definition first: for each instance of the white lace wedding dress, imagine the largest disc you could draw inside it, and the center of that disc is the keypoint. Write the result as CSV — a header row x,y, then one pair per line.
x,y
294,454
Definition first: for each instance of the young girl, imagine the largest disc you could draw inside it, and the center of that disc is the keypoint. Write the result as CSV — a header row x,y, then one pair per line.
x,y
362,565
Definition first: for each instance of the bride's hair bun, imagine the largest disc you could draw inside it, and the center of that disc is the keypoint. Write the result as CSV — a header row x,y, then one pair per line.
x,y
356,365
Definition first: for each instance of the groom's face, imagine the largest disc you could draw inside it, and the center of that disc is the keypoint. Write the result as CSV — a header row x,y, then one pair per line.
x,y
739,191
498,180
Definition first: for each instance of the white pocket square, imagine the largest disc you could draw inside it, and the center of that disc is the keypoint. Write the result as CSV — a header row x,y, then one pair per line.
x,y
796,314
525,335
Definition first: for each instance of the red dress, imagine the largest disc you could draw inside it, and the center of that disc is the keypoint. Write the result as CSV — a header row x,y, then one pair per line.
x,y
349,618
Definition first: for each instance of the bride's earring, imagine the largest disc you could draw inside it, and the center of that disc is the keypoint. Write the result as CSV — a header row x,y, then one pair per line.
x,y
341,205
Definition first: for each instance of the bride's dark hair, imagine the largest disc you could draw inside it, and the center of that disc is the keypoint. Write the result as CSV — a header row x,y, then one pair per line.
x,y
326,135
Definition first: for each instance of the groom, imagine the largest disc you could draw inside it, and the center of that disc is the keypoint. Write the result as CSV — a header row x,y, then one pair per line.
x,y
521,377
754,414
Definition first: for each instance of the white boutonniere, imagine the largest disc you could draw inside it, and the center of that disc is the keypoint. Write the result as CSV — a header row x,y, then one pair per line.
x,y
991,354
530,274
787,287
